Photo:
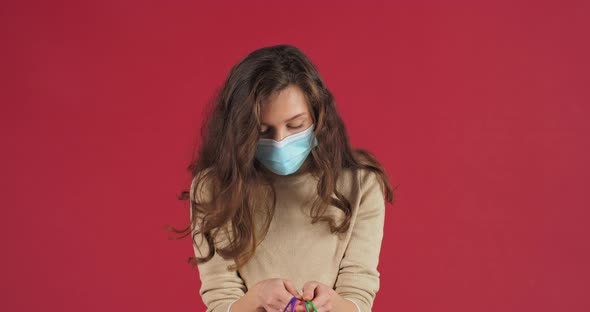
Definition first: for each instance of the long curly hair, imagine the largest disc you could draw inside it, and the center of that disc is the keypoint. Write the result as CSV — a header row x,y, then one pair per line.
x,y
237,183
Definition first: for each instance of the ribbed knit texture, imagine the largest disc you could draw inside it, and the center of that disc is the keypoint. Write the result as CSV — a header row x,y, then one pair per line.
x,y
300,251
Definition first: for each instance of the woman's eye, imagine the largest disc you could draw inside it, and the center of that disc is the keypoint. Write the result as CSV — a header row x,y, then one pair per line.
x,y
290,127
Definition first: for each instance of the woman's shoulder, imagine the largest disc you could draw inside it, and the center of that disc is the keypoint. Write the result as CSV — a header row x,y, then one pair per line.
x,y
365,183
359,177
202,178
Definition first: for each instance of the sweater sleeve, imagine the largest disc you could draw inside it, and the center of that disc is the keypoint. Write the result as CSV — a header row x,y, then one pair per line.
x,y
358,277
219,286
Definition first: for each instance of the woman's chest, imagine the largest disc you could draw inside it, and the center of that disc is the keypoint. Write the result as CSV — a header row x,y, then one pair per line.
x,y
295,249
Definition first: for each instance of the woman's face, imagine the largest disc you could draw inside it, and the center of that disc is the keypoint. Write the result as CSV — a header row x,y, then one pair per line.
x,y
285,113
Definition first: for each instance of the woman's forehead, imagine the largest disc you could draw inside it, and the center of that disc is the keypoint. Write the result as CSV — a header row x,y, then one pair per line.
x,y
284,105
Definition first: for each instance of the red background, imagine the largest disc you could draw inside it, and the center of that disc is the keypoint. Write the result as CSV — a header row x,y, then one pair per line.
x,y
479,112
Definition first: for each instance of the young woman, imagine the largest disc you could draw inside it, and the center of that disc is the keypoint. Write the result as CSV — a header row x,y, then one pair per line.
x,y
283,210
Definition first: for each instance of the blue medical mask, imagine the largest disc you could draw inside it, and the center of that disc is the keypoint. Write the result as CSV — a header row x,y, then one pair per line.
x,y
286,156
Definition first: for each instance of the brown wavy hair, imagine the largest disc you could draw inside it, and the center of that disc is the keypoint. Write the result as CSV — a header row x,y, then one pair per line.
x,y
237,183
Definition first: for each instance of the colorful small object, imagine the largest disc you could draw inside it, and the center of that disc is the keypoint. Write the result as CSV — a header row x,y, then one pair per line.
x,y
308,302
293,302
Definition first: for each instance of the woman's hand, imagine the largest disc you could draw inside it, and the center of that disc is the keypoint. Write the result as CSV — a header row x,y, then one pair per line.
x,y
326,299
274,294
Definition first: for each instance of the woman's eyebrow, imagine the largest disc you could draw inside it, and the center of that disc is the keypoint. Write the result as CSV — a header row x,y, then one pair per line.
x,y
292,118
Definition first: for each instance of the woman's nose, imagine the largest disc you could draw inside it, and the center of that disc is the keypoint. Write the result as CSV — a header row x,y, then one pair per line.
x,y
279,135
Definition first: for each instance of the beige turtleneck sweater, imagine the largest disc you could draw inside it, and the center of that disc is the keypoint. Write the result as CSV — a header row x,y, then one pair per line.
x,y
297,250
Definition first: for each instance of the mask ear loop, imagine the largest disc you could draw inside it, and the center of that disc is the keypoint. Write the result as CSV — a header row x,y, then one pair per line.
x,y
292,304
312,305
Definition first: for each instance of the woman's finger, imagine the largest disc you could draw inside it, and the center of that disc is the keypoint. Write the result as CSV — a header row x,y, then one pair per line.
x,y
309,290
291,288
